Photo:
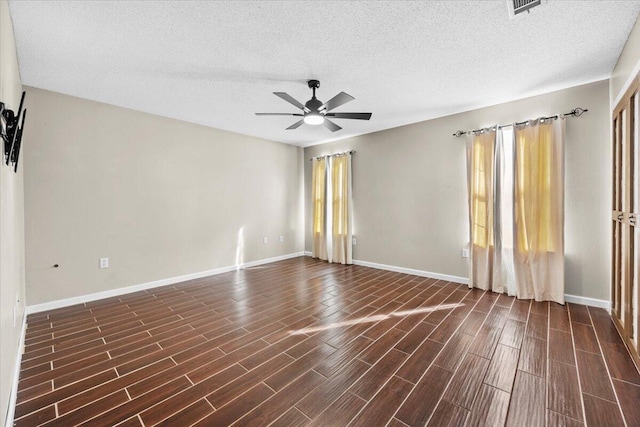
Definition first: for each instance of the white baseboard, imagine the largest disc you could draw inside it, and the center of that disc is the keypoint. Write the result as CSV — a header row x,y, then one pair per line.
x,y
588,301
37,308
464,280
13,394
412,271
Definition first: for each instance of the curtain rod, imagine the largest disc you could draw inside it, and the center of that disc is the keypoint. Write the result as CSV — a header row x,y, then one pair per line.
x,y
576,112
334,155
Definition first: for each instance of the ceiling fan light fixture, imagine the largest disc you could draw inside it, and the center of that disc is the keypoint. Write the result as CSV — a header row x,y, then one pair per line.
x,y
314,118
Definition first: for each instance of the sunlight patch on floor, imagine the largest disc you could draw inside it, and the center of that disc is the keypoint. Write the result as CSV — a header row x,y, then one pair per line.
x,y
376,318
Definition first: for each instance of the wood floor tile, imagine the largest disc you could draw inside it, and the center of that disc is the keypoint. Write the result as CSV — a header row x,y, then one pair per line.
x,y
286,375
230,413
490,408
380,408
603,324
340,412
537,326
467,381
561,347
272,408
333,363
539,308
328,392
620,364
291,418
189,415
520,310
528,406
594,379
37,417
472,323
502,369
453,352
579,313
446,329
448,415
395,423
601,412
563,390
512,333
419,361
629,396
533,357
379,373
585,338
559,318
424,398
486,341
305,342
415,337
555,419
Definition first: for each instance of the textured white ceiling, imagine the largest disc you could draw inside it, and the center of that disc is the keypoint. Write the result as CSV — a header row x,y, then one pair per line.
x,y
216,63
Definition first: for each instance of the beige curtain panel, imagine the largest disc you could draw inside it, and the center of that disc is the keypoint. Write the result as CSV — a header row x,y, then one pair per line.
x,y
332,209
515,180
319,197
480,176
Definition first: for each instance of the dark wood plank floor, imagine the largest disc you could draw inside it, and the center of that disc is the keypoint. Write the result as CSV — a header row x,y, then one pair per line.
x,y
302,342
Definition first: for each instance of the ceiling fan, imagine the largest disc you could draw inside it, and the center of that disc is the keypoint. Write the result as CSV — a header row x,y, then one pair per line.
x,y
315,112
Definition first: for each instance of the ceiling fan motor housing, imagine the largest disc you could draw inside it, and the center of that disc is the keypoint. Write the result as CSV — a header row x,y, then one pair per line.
x,y
313,104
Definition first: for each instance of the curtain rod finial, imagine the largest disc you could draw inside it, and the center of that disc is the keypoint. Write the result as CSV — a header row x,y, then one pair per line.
x,y
577,112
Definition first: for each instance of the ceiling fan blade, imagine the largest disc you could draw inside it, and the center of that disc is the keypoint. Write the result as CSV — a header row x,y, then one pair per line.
x,y
296,125
290,99
330,125
356,116
278,114
336,101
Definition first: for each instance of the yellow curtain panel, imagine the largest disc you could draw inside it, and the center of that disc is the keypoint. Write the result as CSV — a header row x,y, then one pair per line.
x,y
341,209
539,210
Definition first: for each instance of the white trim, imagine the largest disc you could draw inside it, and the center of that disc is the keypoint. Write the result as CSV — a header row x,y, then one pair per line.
x,y
13,394
307,253
624,89
588,301
37,308
464,280
422,273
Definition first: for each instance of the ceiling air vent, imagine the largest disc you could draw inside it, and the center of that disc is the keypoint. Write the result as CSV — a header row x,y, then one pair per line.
x,y
519,6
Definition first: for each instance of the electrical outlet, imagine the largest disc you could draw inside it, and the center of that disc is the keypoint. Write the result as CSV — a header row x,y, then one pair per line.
x,y
265,240
282,238
104,262
465,253
354,241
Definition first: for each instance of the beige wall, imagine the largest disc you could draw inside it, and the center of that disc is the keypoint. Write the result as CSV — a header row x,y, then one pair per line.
x,y
12,277
409,188
161,198
626,65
